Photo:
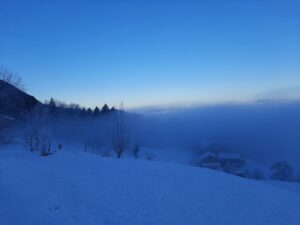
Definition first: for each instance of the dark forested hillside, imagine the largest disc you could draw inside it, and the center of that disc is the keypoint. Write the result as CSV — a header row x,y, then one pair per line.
x,y
13,102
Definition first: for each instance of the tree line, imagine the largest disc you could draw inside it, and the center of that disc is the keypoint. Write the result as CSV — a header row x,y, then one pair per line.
x,y
59,108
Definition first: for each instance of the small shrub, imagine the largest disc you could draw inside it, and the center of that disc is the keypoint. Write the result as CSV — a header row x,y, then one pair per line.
x,y
136,151
282,171
106,153
149,156
45,146
45,153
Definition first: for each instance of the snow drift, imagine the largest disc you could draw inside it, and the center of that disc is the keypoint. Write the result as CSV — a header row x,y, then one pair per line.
x,y
79,188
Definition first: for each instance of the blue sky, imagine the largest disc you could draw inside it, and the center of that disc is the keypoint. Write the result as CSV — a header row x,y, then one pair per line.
x,y
153,52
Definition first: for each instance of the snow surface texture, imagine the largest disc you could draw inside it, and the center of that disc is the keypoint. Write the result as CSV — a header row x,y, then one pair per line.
x,y
80,188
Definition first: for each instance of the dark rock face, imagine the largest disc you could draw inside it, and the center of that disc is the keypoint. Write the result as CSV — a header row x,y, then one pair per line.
x,y
14,102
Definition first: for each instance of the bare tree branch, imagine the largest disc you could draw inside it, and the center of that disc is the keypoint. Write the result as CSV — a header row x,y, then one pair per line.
x,y
119,135
12,78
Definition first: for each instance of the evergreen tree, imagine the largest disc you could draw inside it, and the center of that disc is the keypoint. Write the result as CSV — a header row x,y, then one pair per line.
x,y
96,112
89,112
105,109
83,112
52,107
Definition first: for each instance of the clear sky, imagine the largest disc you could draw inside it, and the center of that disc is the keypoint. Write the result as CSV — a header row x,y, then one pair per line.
x,y
153,52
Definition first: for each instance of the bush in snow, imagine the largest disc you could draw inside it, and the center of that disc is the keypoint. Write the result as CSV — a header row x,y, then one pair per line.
x,y
106,153
282,171
149,156
258,174
45,145
136,151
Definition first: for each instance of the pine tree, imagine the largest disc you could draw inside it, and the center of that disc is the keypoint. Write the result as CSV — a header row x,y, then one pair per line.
x,y
52,107
83,112
89,112
105,109
96,112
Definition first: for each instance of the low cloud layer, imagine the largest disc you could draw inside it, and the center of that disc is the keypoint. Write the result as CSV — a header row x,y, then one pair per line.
x,y
264,130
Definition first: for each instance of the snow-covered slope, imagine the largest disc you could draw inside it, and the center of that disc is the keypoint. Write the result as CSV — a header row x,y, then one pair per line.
x,y
79,188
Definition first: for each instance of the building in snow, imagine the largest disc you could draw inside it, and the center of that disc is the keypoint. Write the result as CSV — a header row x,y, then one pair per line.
x,y
228,162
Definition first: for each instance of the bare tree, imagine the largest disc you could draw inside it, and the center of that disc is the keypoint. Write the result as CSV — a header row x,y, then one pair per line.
x,y
33,125
37,136
12,78
119,134
5,90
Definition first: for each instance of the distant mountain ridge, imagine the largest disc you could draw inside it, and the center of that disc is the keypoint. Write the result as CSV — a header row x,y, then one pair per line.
x,y
14,102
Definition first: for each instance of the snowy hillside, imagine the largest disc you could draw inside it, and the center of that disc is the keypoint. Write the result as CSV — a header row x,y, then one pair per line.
x,y
80,188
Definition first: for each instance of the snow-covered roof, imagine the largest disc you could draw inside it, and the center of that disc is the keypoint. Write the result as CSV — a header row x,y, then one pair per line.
x,y
206,154
211,164
221,155
227,155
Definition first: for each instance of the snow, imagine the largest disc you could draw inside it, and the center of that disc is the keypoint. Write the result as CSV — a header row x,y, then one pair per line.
x,y
174,155
206,154
291,186
73,188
